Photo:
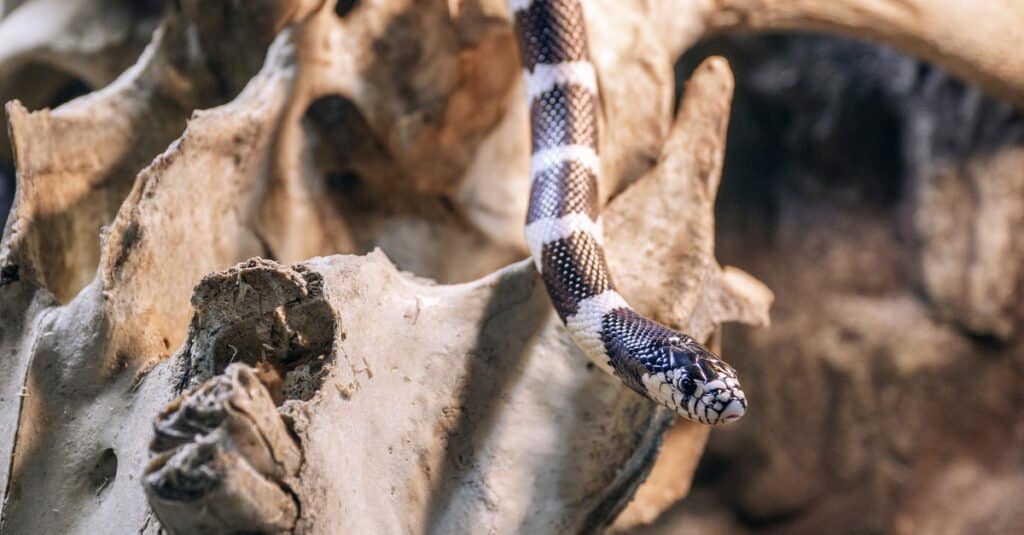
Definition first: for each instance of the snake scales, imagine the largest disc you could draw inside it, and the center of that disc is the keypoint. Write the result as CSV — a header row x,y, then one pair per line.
x,y
563,229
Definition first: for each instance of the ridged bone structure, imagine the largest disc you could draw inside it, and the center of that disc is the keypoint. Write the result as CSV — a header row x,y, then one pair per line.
x,y
563,228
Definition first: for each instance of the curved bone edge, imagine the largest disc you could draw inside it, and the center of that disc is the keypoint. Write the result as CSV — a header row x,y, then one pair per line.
x,y
979,41
93,39
297,219
210,176
671,274
491,194
743,299
228,475
77,163
633,65
21,303
622,493
633,47
629,45
132,313
670,476
66,427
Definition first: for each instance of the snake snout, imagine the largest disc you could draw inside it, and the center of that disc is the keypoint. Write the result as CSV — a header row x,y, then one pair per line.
x,y
724,401
733,411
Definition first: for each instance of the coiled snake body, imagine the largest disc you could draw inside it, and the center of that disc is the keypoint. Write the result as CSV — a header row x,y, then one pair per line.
x,y
563,230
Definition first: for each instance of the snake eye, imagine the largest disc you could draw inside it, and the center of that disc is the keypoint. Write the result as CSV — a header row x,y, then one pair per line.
x,y
688,385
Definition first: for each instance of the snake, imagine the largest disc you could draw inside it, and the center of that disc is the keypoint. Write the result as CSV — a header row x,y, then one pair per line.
x,y
564,235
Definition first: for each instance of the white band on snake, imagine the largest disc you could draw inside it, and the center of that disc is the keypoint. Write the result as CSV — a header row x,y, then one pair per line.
x,y
564,233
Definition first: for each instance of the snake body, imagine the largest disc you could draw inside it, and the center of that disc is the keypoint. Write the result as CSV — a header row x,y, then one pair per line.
x,y
563,229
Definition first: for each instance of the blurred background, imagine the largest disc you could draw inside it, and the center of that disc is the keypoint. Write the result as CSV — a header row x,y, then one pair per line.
x,y
878,197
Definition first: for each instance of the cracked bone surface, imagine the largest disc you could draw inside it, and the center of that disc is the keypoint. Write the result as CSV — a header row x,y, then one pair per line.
x,y
454,407
494,384
220,452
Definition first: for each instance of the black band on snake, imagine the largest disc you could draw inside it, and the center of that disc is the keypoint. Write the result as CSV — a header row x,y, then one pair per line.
x,y
563,229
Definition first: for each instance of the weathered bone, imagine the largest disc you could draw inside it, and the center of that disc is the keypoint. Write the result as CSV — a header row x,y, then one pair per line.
x,y
81,366
222,458
139,270
82,388
77,163
461,406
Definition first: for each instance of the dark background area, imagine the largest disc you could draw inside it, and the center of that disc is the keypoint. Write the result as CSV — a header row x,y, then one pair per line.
x,y
834,153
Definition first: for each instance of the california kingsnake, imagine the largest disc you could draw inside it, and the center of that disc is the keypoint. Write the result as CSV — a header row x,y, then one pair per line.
x,y
563,230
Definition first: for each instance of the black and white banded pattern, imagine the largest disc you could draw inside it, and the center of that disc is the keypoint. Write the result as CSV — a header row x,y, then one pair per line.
x,y
563,229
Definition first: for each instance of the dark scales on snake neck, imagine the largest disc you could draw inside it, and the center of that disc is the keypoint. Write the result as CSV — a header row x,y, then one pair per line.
x,y
563,228
567,188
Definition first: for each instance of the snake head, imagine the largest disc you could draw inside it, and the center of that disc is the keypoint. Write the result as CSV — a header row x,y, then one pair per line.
x,y
697,384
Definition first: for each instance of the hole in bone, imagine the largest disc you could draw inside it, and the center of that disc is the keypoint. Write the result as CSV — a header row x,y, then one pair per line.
x,y
359,173
343,183
9,274
71,89
369,193
103,473
148,7
343,7
342,133
6,188
289,345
